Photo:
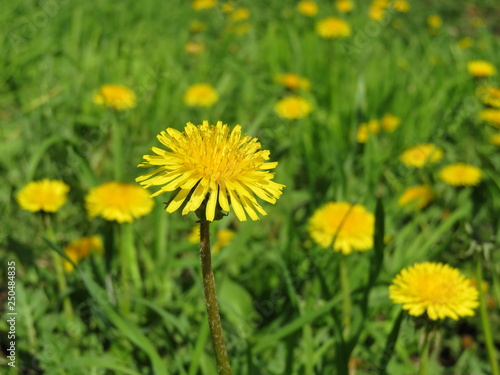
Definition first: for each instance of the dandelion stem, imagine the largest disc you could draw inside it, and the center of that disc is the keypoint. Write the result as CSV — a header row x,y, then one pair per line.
x,y
131,255
485,323
346,297
211,301
117,148
424,353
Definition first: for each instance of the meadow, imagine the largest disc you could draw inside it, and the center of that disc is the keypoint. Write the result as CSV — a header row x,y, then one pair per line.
x,y
382,97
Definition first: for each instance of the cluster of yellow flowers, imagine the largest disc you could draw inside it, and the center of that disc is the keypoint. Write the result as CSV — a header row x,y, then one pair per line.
x,y
379,8
388,123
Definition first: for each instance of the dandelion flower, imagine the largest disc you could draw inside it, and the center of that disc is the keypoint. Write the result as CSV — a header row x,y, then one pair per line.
x,y
81,249
480,68
434,21
194,48
307,8
465,43
416,197
495,139
240,15
343,226
116,97
367,128
200,95
344,6
461,174
435,289
203,4
213,166
292,81
117,201
491,116
390,122
333,27
45,195
489,96
401,5
224,238
421,155
228,7
292,108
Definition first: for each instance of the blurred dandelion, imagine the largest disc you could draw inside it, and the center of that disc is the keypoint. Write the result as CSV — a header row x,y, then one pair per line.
x,y
307,8
293,108
45,195
201,95
421,155
343,226
416,197
81,249
480,68
115,97
117,201
292,81
332,27
491,116
367,128
489,95
203,4
461,174
344,6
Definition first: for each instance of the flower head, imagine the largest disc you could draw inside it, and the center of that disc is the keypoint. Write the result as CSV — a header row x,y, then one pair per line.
x,y
401,5
390,122
421,155
435,289
344,6
434,21
45,195
367,128
194,48
293,81
117,201
333,27
292,108
491,116
489,95
495,139
81,249
481,68
240,14
461,174
116,97
224,238
203,4
212,166
343,226
200,95
307,8
416,197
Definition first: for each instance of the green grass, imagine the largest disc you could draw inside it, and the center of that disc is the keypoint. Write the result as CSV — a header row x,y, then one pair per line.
x,y
279,293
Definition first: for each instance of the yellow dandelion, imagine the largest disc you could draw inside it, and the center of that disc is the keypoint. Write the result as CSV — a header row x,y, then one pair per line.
x,y
481,68
416,197
194,235
367,128
343,226
307,8
495,139
45,195
489,95
461,174
200,95
435,289
81,249
344,6
116,97
390,122
434,21
491,116
465,43
203,4
224,238
293,108
292,81
240,14
421,155
376,13
194,48
117,201
228,7
401,5
212,167
333,27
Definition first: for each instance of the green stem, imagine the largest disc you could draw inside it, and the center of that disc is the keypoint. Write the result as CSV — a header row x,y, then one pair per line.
x,y
131,255
211,301
58,265
424,353
124,269
485,323
117,149
346,297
